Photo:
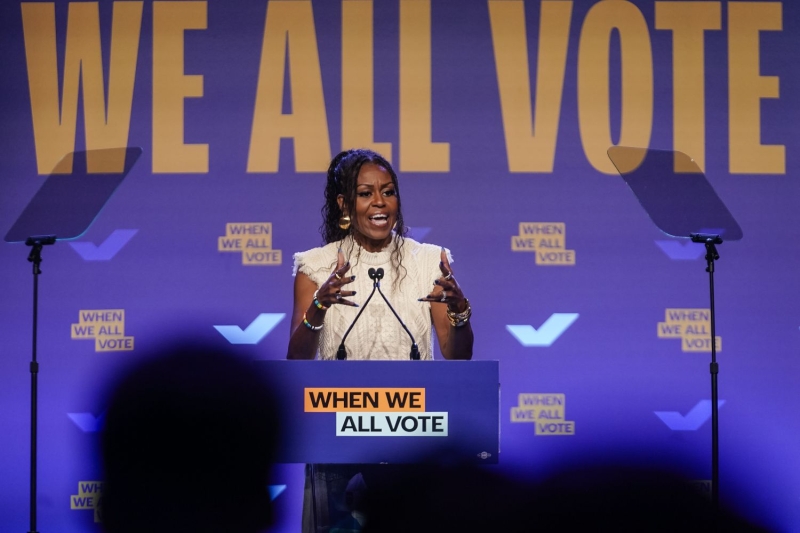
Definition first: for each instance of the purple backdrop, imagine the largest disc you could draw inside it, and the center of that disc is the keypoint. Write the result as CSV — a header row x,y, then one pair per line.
x,y
498,129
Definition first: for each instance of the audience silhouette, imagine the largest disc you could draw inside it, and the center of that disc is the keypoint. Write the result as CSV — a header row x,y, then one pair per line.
x,y
188,443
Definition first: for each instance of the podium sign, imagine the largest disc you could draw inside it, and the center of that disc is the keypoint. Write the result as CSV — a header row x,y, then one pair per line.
x,y
386,411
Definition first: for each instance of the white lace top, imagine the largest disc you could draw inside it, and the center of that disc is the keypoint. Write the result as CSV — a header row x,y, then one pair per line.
x,y
377,334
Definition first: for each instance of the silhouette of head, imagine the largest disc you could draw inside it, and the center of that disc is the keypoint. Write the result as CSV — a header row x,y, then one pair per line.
x,y
188,442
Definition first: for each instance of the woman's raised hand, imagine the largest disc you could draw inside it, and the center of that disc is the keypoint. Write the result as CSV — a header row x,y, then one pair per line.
x,y
331,292
450,292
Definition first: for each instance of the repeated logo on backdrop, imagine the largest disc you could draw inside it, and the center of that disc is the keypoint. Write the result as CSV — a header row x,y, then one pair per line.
x,y
548,240
89,498
547,411
691,326
251,239
106,327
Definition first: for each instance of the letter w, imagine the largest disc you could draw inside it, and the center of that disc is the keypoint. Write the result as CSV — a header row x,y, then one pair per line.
x,y
318,398
396,399
53,124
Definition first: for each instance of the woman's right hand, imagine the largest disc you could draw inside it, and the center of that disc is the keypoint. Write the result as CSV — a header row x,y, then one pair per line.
x,y
330,292
307,317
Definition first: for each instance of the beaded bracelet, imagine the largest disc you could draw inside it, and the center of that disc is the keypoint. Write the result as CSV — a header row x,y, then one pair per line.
x,y
308,324
459,319
317,304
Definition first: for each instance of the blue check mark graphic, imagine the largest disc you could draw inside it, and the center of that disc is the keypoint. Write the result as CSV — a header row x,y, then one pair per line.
x,y
695,418
252,334
547,333
108,249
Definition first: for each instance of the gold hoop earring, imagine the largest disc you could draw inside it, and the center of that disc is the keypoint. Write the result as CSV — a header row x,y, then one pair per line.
x,y
344,223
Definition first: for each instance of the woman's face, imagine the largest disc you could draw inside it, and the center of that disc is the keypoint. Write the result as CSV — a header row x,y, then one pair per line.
x,y
376,207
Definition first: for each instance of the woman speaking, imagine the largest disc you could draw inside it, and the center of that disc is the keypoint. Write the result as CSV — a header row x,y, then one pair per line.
x,y
362,224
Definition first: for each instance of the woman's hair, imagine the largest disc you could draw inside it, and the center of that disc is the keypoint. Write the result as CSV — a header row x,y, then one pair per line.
x,y
342,179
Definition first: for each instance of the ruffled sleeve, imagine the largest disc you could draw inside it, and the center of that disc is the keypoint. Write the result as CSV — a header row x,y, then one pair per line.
x,y
316,263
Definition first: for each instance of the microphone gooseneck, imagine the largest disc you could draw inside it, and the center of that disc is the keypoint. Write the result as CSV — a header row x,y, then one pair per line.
x,y
414,355
341,352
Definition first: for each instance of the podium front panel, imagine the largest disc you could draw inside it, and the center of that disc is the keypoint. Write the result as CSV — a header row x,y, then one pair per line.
x,y
386,411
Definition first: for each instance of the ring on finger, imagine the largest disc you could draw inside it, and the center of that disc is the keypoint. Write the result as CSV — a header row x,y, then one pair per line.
x,y
444,296
449,276
337,276
338,296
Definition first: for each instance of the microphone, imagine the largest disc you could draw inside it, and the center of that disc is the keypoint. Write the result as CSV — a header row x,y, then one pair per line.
x,y
414,349
341,352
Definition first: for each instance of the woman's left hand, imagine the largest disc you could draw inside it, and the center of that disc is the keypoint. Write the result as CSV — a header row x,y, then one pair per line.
x,y
450,292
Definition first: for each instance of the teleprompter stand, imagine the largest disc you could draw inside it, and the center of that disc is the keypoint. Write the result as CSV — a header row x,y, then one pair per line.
x,y
712,255
681,202
63,208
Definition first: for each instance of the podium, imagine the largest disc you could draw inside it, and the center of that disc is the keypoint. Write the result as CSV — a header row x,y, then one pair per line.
x,y
386,411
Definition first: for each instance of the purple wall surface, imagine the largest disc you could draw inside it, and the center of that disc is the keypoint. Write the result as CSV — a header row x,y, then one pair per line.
x,y
497,116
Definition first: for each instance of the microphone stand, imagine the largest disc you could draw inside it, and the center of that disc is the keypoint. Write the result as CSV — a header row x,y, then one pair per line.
x,y
341,355
341,352
414,356
712,255
35,256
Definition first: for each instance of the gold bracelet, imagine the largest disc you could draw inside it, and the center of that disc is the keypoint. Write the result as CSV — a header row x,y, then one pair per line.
x,y
459,319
